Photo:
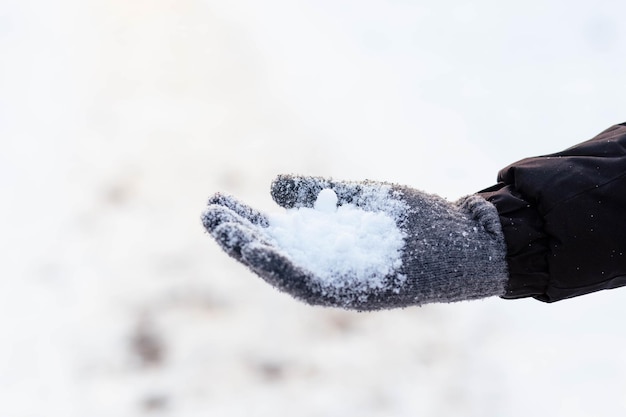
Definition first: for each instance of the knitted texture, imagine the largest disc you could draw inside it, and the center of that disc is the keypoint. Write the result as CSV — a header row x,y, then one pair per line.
x,y
452,251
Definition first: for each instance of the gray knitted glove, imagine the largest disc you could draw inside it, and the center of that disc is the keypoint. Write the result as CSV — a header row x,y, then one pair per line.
x,y
452,251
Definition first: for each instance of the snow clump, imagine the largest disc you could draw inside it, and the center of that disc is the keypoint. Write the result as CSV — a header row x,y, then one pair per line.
x,y
342,247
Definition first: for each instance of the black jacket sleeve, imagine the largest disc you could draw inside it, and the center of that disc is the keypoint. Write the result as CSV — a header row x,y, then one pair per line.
x,y
564,219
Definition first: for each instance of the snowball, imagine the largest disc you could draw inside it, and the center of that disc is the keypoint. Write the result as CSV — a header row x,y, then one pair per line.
x,y
343,246
326,201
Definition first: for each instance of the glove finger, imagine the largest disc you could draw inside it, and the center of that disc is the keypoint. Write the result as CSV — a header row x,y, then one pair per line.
x,y
234,236
291,191
248,246
214,215
279,271
253,216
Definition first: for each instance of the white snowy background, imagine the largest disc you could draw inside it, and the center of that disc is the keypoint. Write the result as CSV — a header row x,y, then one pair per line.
x,y
119,118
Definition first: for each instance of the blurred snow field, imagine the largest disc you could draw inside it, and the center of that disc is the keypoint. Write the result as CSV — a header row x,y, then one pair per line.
x,y
117,121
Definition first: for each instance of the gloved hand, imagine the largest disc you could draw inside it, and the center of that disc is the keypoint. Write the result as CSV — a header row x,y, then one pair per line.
x,y
452,251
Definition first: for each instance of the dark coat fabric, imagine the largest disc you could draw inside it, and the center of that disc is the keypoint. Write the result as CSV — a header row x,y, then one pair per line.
x,y
564,219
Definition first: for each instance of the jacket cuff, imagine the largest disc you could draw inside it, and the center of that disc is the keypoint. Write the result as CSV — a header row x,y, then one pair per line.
x,y
526,242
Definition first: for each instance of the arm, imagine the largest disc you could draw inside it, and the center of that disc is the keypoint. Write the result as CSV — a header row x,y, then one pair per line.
x,y
553,227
